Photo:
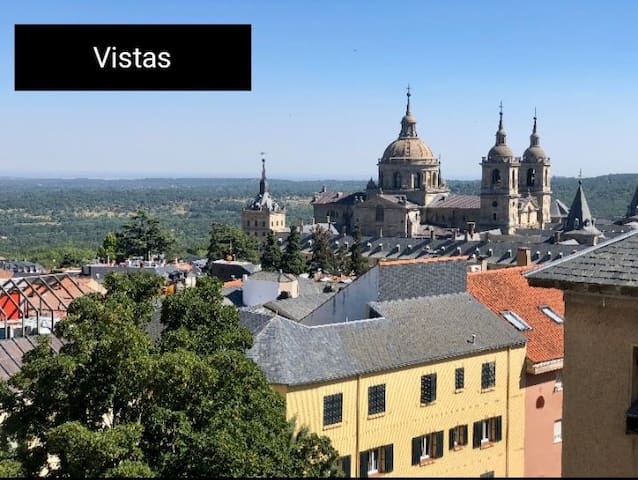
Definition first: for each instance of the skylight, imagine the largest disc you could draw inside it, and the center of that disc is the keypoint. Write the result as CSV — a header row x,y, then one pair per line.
x,y
551,314
515,320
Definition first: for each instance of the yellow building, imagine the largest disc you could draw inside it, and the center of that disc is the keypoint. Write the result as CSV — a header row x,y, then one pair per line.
x,y
429,386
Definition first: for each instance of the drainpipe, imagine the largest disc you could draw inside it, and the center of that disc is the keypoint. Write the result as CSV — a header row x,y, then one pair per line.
x,y
355,460
507,413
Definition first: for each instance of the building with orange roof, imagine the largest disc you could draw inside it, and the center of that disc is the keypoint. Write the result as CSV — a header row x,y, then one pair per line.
x,y
538,314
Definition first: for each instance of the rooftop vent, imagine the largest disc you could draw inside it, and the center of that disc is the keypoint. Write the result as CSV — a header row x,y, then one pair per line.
x,y
490,252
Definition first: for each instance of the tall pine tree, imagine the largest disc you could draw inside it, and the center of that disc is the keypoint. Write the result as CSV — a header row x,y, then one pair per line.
x,y
322,256
358,264
271,256
292,260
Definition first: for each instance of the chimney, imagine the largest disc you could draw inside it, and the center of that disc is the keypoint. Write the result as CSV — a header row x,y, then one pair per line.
x,y
523,257
432,234
556,236
466,237
470,228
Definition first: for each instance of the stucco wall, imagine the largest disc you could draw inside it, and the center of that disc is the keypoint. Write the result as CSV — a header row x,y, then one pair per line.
x,y
350,302
406,418
542,453
600,333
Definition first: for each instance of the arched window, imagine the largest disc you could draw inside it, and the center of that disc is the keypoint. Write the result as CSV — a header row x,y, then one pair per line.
x,y
419,180
531,177
397,180
496,177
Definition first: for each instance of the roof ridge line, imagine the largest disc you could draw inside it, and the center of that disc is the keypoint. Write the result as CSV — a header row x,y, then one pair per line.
x,y
582,252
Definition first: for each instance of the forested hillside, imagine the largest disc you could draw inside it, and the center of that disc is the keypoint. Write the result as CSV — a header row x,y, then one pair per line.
x,y
41,219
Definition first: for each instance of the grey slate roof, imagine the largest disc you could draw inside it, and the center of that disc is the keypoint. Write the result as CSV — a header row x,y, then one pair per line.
x,y
300,307
424,330
422,279
503,247
456,201
579,214
272,276
613,263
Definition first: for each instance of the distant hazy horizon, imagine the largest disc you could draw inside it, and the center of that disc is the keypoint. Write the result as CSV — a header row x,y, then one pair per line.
x,y
328,90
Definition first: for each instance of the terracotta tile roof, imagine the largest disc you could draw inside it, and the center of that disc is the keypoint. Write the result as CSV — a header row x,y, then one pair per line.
x,y
507,289
233,283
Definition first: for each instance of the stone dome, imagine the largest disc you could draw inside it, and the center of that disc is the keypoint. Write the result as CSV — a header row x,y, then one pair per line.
x,y
501,151
407,150
408,147
534,154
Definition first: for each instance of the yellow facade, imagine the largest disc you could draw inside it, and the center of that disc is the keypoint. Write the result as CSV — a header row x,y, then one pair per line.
x,y
405,417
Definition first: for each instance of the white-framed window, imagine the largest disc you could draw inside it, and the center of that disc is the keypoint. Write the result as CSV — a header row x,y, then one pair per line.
x,y
426,446
373,462
558,431
485,431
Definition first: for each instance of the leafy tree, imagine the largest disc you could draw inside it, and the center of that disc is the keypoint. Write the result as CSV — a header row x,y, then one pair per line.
x,y
112,403
292,260
108,250
358,264
142,236
226,240
322,256
311,454
271,256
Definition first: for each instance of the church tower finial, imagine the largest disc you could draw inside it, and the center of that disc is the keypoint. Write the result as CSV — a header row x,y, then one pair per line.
x,y
263,184
408,122
534,138
500,134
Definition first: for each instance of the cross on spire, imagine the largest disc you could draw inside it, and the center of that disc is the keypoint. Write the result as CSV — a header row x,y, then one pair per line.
x,y
408,94
263,185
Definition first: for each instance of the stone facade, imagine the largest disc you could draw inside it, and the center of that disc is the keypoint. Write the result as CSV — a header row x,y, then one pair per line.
x,y
263,214
515,192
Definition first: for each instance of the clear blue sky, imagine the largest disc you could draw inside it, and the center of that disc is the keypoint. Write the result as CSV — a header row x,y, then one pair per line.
x,y
329,82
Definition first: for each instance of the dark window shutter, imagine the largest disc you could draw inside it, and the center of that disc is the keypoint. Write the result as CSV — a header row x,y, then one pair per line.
x,y
459,378
433,387
451,433
439,444
476,439
484,375
416,450
493,365
363,464
389,458
499,429
345,465
464,432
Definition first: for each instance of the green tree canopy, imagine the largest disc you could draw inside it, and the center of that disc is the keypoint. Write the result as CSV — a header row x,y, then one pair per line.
x,y
322,255
271,256
292,260
358,265
141,236
226,240
112,403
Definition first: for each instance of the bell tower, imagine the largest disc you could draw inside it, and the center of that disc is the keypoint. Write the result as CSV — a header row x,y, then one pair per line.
x,y
535,176
499,184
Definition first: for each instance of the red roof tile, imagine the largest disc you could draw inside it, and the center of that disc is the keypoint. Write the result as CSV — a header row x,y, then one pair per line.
x,y
507,289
